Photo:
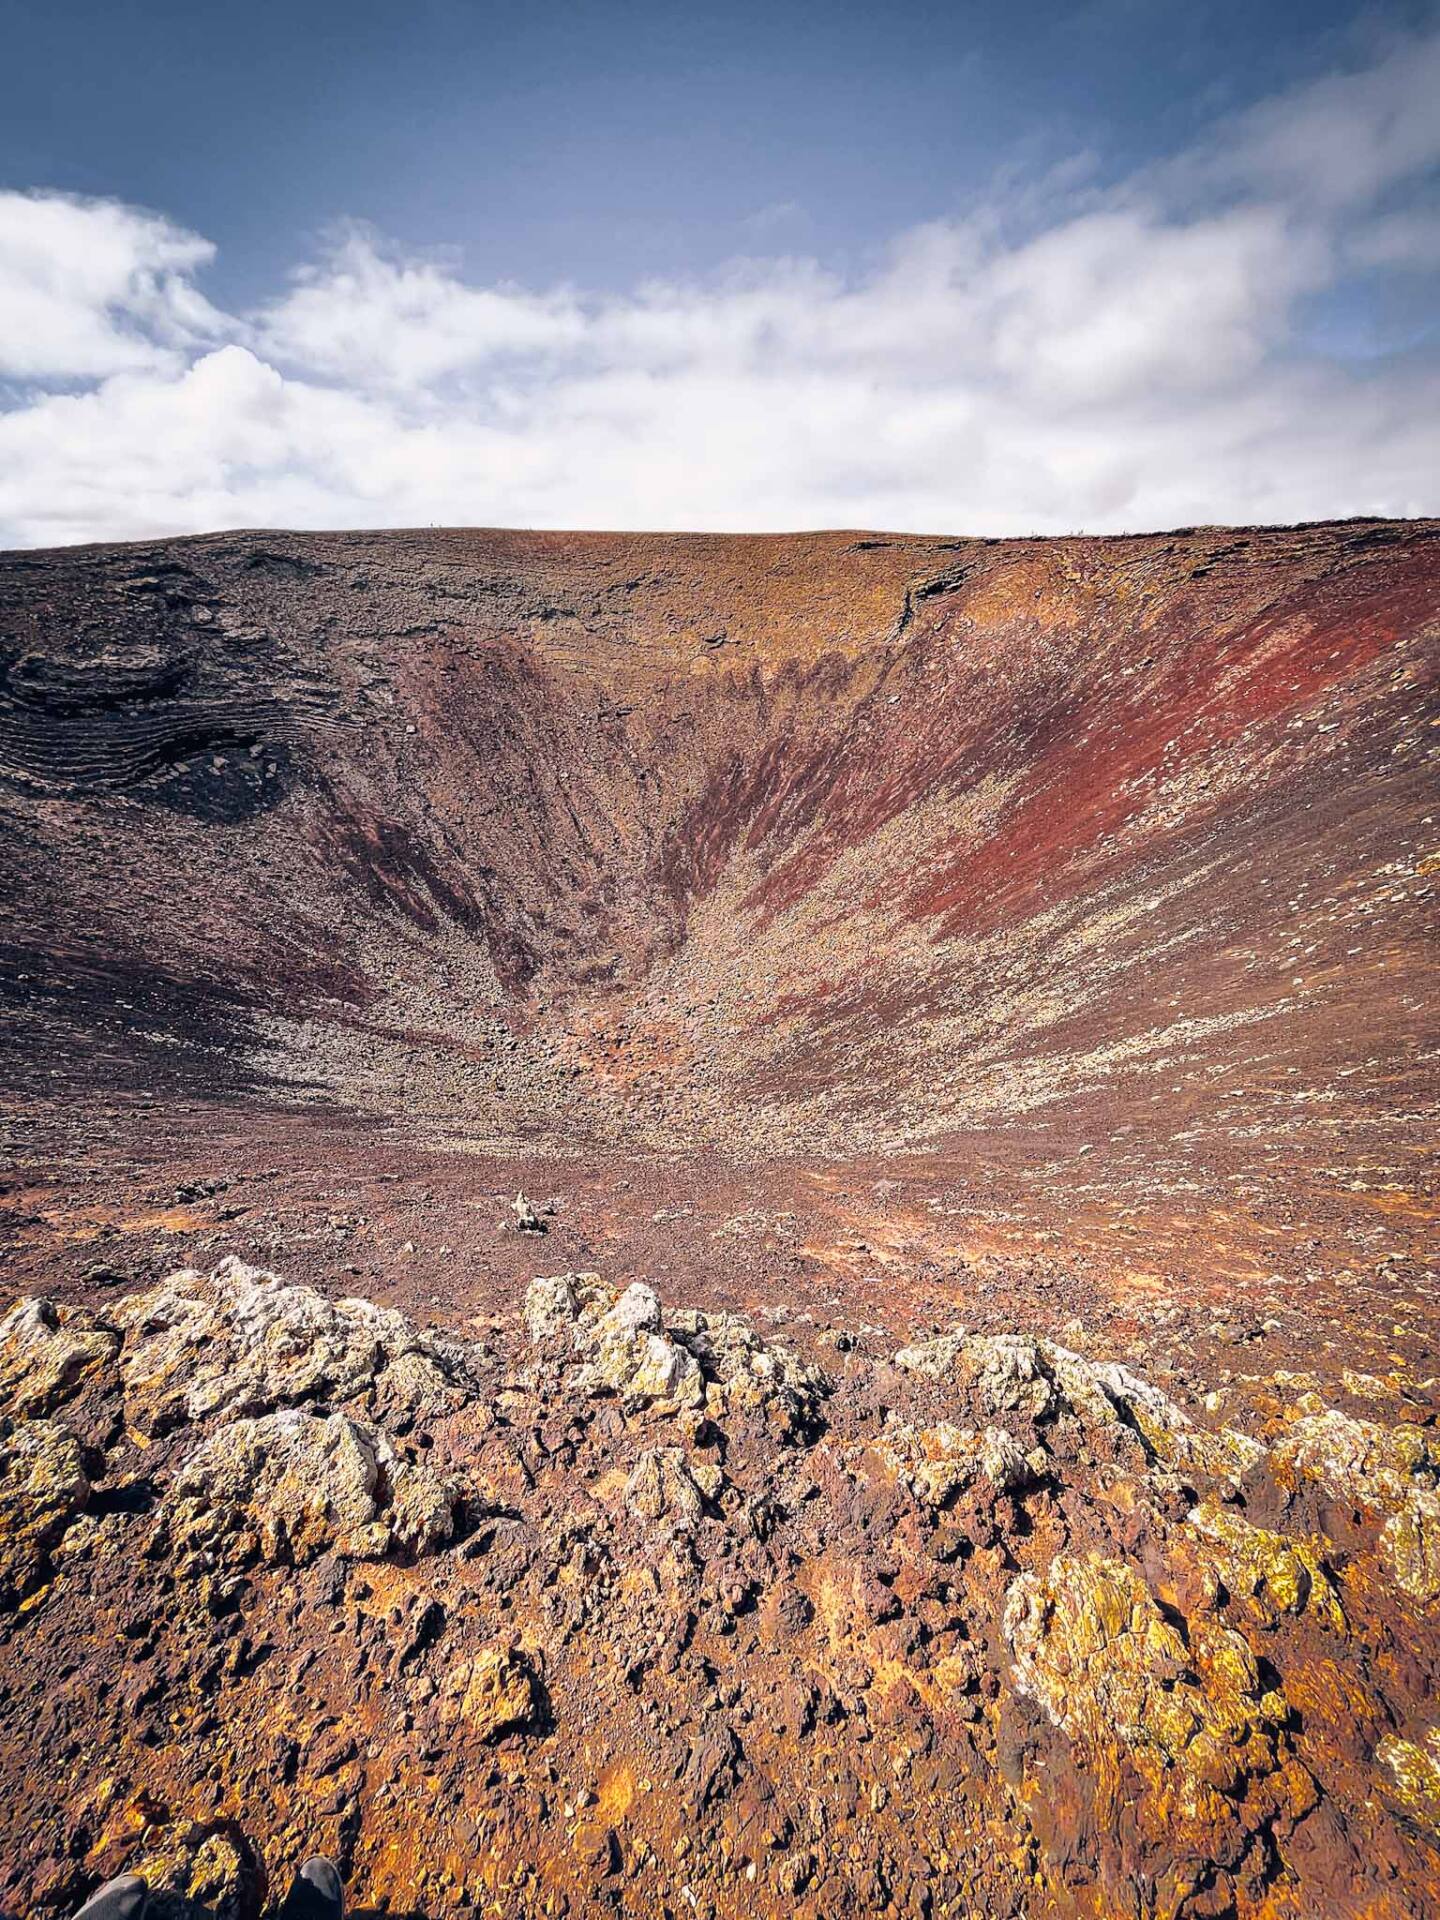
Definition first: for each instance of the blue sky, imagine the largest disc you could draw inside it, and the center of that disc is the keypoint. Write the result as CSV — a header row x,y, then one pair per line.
x,y
605,141
952,266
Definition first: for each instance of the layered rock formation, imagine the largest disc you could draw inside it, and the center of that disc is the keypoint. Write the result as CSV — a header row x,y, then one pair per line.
x,y
789,844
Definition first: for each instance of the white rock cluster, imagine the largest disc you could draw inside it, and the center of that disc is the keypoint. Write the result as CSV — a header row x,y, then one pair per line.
x,y
624,1343
1015,1373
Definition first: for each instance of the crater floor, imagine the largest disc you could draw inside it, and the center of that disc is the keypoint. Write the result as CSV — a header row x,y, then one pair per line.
x,y
962,1010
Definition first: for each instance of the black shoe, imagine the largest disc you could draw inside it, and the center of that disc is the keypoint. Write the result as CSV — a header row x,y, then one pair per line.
x,y
315,1894
122,1899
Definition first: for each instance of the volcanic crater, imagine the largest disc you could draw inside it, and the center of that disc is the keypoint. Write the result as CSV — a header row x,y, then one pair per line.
x,y
950,1424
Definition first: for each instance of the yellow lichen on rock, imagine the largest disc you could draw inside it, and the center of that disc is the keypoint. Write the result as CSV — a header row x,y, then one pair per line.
x,y
43,1483
307,1482
1413,1769
1271,1573
1410,1541
47,1352
1388,1470
1092,1646
195,1865
939,1461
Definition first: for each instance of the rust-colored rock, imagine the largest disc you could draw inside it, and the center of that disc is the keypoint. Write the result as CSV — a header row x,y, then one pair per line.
x,y
492,1694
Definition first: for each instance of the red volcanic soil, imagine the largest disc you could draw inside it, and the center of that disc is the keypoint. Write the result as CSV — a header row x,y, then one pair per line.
x,y
864,934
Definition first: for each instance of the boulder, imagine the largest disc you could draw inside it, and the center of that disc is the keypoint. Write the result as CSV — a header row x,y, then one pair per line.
x,y
616,1339
47,1353
626,1353
1410,1542
662,1488
492,1694
940,1461
43,1485
1186,1716
241,1341
526,1218
1389,1471
307,1484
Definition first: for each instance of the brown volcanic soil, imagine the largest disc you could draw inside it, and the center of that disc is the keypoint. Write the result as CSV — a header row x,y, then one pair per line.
x,y
865,934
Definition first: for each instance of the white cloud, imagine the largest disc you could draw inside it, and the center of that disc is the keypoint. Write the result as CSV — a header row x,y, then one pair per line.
x,y
368,317
1063,357
1340,142
1122,302
89,288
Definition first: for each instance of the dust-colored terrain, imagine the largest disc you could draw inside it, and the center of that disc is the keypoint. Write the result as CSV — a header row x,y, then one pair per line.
x,y
963,1437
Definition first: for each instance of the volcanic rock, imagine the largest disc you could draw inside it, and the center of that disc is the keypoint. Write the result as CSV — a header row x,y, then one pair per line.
x,y
662,1487
1186,1713
493,1694
308,1484
1391,1471
1002,970
688,1359
240,1340
46,1353
43,1484
937,1462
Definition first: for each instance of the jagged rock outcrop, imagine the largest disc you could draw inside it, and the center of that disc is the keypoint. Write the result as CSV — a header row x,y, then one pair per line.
x,y
1389,1471
240,1340
627,1345
493,1694
664,1487
1271,1572
1014,1373
43,1485
47,1353
306,1484
1172,1721
635,1579
940,1461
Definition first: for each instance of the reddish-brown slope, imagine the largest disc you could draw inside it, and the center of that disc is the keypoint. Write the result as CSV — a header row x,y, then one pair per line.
x,y
992,808
1090,878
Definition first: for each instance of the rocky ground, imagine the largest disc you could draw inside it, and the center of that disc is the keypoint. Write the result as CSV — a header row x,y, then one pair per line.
x,y
632,1604
955,1430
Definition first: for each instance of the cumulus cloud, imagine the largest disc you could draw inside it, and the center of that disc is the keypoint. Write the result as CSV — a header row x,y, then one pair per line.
x,y
90,288
1063,356
368,316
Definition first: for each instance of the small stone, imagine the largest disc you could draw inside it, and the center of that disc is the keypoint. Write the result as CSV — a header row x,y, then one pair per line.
x,y
493,1694
526,1218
